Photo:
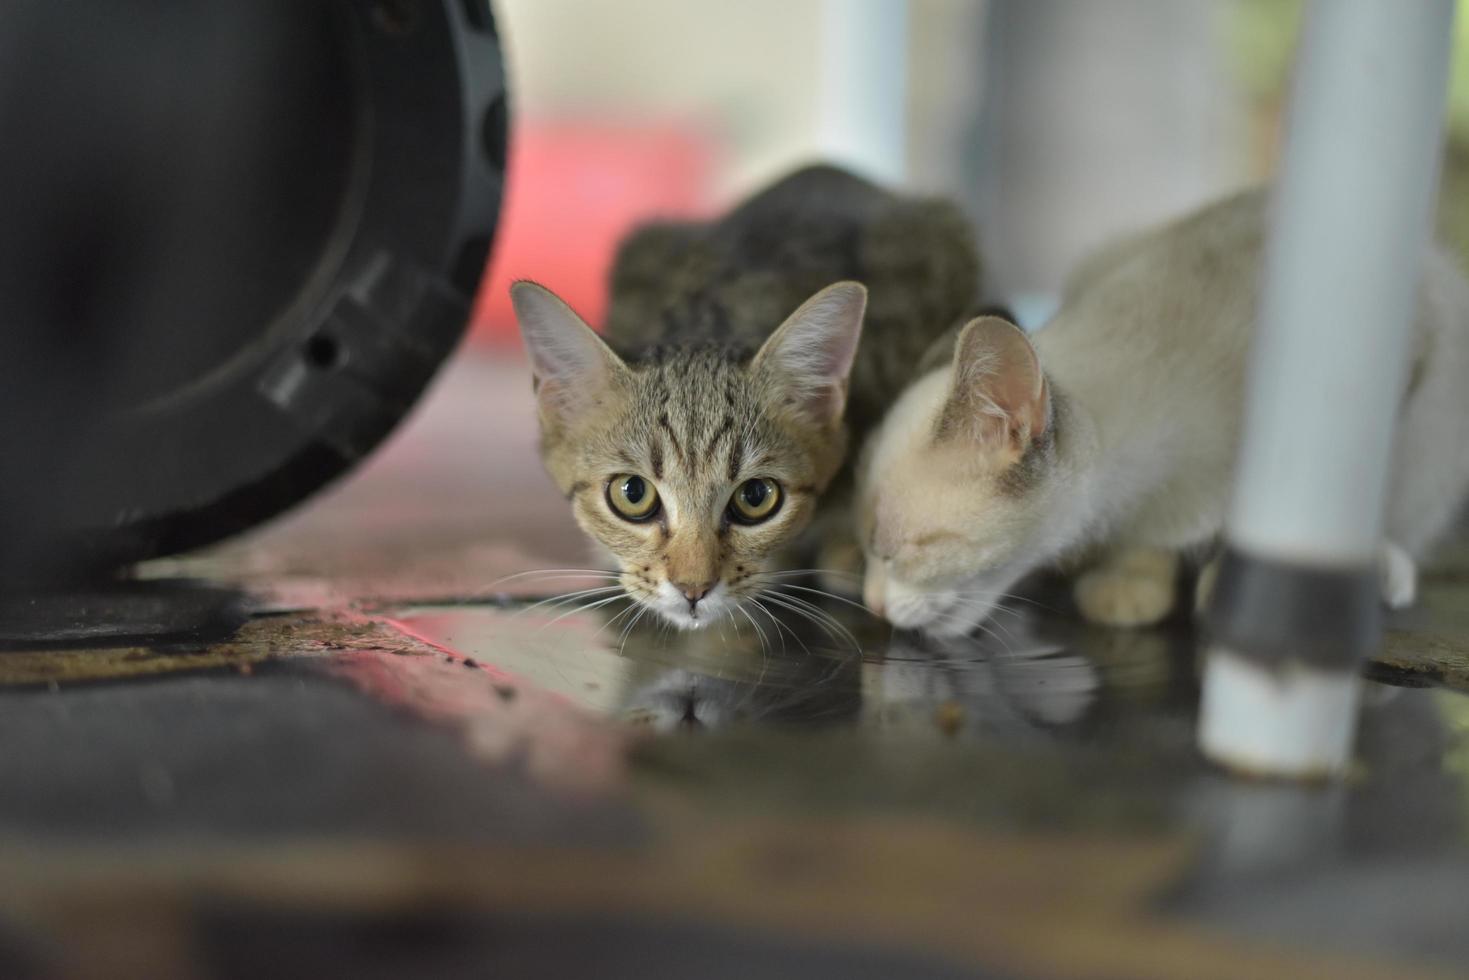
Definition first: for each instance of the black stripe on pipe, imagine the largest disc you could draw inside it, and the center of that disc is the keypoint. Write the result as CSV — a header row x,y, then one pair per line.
x,y
1273,611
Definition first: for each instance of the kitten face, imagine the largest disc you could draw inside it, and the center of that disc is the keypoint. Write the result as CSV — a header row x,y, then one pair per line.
x,y
953,487
692,468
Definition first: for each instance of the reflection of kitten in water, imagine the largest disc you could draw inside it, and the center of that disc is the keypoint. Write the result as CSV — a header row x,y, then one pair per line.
x,y
693,681
974,686
674,698
1019,687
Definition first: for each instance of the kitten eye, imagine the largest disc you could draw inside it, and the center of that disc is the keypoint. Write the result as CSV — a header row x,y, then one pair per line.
x,y
755,501
632,497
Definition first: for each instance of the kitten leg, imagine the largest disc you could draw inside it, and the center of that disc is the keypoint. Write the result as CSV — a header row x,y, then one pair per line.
x,y
1399,576
1132,588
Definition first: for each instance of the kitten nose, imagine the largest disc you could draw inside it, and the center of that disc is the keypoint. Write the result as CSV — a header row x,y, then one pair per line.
x,y
693,591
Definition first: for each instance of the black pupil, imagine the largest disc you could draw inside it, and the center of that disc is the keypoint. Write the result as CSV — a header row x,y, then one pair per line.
x,y
754,493
634,490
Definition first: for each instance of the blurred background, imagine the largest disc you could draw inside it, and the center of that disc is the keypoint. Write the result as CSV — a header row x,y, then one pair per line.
x,y
1058,123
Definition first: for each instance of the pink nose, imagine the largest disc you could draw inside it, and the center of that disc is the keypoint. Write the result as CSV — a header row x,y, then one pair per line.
x,y
693,591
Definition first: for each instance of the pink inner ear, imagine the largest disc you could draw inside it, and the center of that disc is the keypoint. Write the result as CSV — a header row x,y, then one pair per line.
x,y
810,354
571,366
998,384
819,401
1020,392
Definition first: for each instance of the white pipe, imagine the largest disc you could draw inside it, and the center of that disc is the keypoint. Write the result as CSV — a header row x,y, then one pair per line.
x,y
1352,216
862,95
1291,721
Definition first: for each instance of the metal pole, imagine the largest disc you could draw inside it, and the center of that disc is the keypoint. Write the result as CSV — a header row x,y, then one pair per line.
x,y
862,99
1296,605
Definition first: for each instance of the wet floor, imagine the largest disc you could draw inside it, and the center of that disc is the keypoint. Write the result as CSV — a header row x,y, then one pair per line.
x,y
471,724
363,743
1041,725
1034,674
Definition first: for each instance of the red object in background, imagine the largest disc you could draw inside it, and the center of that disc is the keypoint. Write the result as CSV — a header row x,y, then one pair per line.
x,y
573,191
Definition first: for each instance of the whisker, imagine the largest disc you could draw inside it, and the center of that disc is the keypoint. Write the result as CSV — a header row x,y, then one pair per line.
x,y
559,600
828,595
816,616
561,596
632,604
764,659
781,603
816,610
985,628
970,627
793,572
764,655
764,641
985,605
753,688
627,630
993,613
781,629
996,596
580,609
554,573
1001,627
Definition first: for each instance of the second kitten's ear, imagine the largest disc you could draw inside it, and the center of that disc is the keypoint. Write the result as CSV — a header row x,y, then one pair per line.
x,y
572,367
810,355
999,395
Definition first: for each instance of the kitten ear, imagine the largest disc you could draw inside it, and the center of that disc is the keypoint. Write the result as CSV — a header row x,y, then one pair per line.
x,y
573,368
999,396
810,355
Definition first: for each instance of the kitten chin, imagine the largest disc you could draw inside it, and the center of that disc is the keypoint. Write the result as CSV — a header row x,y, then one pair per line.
x,y
940,610
716,605
938,614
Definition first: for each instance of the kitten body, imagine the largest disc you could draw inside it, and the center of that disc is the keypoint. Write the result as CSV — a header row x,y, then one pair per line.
x,y
1109,442
710,399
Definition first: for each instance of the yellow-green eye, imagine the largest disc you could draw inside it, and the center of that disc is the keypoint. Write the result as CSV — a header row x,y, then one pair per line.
x,y
632,497
755,500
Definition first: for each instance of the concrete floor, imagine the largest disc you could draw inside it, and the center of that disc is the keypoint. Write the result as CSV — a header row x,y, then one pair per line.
x,y
346,745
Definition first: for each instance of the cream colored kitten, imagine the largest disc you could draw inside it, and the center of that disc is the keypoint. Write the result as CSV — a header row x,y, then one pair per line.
x,y
1109,442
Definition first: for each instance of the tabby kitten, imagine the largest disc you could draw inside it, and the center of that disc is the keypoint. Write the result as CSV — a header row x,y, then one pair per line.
x,y
1108,440
695,441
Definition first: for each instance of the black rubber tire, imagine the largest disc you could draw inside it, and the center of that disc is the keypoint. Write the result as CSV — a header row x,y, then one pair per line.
x,y
236,242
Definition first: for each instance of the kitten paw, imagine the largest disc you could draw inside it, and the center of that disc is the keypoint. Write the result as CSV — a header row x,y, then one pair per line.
x,y
1137,591
1399,577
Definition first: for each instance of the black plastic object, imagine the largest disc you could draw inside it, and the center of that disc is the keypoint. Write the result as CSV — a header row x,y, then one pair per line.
x,y
1274,612
237,238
